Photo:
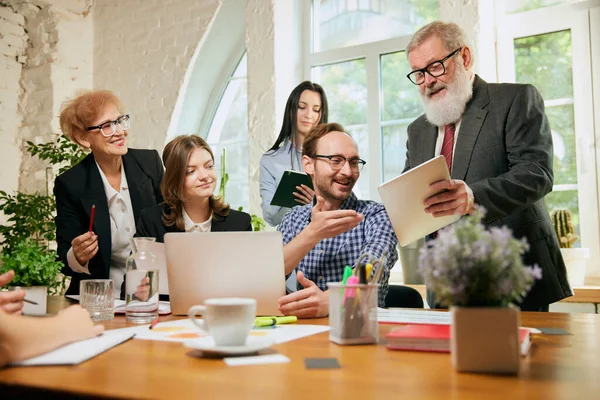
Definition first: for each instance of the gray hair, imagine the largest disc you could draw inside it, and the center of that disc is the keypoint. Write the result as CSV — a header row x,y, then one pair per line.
x,y
451,35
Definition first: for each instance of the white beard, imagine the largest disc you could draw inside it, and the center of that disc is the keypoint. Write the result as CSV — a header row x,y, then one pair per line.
x,y
450,108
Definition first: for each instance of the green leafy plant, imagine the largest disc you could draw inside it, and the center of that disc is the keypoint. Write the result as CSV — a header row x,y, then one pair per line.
x,y
467,265
30,226
34,264
258,224
62,152
29,216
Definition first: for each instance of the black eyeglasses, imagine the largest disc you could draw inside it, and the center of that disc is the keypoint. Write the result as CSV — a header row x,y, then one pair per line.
x,y
435,69
337,162
109,128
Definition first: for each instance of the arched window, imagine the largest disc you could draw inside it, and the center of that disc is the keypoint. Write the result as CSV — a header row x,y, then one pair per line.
x,y
229,130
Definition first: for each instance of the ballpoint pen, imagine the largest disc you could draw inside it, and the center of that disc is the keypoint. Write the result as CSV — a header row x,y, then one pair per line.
x,y
30,302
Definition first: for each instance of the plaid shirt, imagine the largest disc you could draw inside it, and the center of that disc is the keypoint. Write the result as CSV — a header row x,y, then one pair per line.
x,y
326,261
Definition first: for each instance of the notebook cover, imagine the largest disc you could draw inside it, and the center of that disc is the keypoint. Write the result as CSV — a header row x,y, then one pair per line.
x,y
423,337
284,195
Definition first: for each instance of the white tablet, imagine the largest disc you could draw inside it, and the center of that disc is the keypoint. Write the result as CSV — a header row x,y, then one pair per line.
x,y
403,199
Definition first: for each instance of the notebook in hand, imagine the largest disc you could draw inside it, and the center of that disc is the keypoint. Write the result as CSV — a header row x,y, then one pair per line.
x,y
284,194
423,337
403,199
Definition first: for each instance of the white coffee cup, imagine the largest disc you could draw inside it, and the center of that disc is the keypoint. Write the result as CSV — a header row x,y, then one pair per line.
x,y
227,320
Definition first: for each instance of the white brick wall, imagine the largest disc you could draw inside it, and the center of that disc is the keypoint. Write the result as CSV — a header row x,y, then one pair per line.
x,y
39,70
13,44
58,63
142,49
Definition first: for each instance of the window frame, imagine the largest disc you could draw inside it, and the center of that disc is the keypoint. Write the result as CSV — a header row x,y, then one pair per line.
x,y
371,52
576,17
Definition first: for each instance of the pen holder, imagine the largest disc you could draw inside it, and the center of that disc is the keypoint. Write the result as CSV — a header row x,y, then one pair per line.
x,y
353,313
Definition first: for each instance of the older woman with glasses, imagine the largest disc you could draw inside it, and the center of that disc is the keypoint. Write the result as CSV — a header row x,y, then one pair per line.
x,y
99,199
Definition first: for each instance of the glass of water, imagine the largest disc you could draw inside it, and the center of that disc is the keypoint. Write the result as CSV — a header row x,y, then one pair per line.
x,y
141,295
97,297
141,277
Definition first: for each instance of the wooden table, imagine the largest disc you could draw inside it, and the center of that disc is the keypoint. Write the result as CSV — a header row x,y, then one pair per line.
x,y
558,367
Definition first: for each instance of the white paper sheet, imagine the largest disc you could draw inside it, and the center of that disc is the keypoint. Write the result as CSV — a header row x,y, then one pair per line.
x,y
256,360
400,316
164,307
184,329
78,352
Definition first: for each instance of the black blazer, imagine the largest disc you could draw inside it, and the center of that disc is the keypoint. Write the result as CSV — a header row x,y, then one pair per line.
x,y
150,223
504,153
77,189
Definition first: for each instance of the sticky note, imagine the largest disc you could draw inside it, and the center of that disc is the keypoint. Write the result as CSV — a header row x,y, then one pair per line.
x,y
553,331
322,363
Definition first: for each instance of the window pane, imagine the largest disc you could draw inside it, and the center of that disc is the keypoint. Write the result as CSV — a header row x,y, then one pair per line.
x,y
401,105
394,150
546,62
346,87
515,6
229,130
242,69
342,23
563,136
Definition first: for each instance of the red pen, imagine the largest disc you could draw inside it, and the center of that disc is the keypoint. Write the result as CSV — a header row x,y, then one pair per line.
x,y
153,324
92,216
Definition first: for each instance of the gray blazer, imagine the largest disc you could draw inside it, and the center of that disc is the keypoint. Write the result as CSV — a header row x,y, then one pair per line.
x,y
504,153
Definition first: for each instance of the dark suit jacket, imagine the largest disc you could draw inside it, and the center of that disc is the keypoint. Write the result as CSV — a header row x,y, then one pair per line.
x,y
504,153
80,187
150,223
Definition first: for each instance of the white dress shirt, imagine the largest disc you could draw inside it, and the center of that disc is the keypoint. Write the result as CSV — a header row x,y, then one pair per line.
x,y
122,229
191,226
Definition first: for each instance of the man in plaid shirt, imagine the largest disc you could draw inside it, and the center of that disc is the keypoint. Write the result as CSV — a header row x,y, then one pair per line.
x,y
321,239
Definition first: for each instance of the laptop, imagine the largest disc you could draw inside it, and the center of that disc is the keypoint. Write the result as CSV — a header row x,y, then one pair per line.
x,y
403,199
203,265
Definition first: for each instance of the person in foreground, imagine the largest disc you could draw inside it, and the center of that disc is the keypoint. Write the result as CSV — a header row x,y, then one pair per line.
x,y
116,181
498,148
188,191
320,239
24,337
305,108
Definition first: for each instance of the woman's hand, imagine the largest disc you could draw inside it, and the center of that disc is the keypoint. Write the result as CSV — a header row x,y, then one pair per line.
x,y
79,322
85,247
11,302
304,195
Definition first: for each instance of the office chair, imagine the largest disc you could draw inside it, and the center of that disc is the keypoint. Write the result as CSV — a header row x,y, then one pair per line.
x,y
403,296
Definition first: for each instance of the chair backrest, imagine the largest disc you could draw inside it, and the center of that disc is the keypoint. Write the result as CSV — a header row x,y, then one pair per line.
x,y
403,296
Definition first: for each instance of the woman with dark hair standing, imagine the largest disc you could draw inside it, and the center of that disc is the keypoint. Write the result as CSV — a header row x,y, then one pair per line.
x,y
188,191
305,108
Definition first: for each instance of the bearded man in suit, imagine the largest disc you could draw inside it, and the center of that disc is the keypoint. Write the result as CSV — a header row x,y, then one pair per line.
x,y
498,147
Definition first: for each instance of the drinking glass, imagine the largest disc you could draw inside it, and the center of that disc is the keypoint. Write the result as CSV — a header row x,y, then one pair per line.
x,y
97,297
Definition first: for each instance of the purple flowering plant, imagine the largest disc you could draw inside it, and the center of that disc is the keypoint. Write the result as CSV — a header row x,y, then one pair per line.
x,y
467,265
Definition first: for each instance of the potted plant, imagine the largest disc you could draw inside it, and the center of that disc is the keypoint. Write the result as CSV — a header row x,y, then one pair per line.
x,y
479,274
31,216
575,258
35,269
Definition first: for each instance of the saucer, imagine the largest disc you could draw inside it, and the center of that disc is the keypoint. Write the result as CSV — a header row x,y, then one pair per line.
x,y
208,346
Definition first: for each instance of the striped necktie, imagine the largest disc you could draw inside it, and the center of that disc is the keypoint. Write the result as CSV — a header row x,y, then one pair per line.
x,y
448,145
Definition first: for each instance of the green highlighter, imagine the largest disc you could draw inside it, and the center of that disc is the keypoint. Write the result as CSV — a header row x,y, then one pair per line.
x,y
270,321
